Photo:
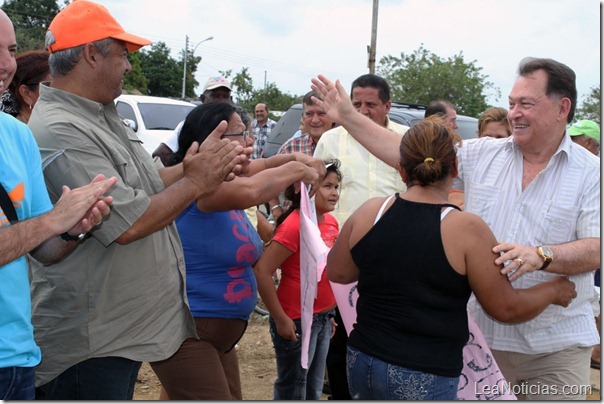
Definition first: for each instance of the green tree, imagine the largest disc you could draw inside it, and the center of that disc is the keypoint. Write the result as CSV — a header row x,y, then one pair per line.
x,y
422,76
274,98
247,97
135,81
31,19
591,106
163,73
243,86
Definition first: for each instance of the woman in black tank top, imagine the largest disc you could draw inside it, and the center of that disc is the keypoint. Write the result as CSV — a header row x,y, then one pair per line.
x,y
416,267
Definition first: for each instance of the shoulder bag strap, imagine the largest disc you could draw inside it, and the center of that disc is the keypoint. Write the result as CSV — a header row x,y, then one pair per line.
x,y
7,206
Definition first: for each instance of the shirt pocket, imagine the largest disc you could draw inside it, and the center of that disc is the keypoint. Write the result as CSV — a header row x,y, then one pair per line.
x,y
560,224
481,199
125,167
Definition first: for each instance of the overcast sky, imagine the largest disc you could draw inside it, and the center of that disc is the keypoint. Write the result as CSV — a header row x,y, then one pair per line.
x,y
290,41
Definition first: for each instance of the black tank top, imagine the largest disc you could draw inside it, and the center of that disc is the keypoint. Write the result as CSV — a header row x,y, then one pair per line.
x,y
411,310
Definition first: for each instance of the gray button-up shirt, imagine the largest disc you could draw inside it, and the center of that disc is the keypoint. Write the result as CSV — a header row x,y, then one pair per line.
x,y
105,299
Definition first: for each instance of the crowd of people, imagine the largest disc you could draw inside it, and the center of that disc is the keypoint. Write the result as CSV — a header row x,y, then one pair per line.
x,y
161,258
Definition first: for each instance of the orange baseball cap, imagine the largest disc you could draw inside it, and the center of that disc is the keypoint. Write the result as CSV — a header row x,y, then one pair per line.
x,y
82,22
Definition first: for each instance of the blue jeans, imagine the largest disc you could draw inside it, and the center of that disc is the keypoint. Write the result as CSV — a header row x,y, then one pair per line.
x,y
293,382
17,383
109,378
372,379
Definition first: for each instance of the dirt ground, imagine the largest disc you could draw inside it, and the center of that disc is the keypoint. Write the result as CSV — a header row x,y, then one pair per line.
x,y
257,367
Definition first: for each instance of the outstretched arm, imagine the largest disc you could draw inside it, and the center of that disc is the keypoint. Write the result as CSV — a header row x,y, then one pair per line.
x,y
244,192
381,142
203,169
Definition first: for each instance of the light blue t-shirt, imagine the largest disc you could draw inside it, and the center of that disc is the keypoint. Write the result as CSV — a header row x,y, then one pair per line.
x,y
21,176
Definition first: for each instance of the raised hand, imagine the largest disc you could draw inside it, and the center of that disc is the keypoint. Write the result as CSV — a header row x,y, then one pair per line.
x,y
336,101
215,160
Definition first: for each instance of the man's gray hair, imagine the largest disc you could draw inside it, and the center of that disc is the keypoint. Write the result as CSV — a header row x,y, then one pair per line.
x,y
64,61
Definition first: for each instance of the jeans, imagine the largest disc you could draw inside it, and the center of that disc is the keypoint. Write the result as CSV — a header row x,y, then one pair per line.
x,y
293,382
109,378
336,361
17,383
372,379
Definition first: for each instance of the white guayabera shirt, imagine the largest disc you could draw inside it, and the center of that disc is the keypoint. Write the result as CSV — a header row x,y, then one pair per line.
x,y
560,205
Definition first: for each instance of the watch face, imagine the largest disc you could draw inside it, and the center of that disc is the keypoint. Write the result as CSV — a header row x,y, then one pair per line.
x,y
547,252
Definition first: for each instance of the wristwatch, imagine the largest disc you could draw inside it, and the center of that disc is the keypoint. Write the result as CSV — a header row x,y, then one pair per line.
x,y
68,237
547,254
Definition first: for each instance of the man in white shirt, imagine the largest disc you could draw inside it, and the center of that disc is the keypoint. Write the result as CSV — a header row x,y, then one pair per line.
x,y
540,194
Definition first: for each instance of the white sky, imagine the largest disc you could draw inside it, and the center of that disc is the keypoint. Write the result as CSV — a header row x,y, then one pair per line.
x,y
291,41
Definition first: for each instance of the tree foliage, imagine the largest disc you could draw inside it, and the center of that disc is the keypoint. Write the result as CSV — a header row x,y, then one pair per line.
x,y
31,19
247,97
422,76
242,84
275,99
135,82
163,74
591,106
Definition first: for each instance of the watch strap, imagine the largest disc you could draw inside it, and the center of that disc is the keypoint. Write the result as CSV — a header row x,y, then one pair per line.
x,y
68,237
546,260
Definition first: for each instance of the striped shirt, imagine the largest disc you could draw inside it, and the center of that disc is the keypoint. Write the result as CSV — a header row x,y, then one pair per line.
x,y
303,144
261,133
560,205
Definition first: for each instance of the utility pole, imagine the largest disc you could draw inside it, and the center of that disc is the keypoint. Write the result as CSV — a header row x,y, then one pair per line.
x,y
184,72
184,67
371,49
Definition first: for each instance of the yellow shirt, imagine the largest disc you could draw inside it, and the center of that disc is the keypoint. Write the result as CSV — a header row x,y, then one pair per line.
x,y
364,175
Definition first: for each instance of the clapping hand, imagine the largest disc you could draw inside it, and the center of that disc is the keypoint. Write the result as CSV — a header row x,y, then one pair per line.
x,y
80,209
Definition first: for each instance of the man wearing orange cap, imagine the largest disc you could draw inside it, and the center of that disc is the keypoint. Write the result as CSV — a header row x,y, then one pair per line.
x,y
120,298
30,225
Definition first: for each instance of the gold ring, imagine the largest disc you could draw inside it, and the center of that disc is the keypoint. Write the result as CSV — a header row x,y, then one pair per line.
x,y
96,224
520,260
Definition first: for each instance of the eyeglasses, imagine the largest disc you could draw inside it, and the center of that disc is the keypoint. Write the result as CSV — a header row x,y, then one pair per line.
x,y
245,135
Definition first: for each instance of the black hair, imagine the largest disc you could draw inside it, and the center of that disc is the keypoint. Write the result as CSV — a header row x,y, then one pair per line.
x,y
332,166
199,123
373,81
